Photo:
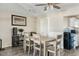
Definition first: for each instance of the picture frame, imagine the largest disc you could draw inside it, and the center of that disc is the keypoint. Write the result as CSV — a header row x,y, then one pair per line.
x,y
18,20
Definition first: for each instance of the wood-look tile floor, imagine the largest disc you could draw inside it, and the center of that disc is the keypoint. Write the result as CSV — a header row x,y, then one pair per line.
x,y
18,51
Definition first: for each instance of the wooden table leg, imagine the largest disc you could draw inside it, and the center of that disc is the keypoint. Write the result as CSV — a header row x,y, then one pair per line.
x,y
44,49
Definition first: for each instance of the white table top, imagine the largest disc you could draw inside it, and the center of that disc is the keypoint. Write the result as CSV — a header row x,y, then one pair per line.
x,y
44,39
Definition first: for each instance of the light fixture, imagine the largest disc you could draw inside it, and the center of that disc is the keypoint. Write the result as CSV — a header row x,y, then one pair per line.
x,y
50,6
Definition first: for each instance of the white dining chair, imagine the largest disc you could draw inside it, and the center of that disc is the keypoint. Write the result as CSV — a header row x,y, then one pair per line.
x,y
37,44
53,46
28,44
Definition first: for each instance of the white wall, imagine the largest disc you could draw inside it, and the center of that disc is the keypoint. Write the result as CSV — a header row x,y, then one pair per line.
x,y
55,23
5,22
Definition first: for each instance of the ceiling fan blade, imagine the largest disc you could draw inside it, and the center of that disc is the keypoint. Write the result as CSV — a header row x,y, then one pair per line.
x,y
40,4
56,7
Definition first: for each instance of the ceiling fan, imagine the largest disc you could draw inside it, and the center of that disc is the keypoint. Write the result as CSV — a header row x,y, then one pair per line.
x,y
49,5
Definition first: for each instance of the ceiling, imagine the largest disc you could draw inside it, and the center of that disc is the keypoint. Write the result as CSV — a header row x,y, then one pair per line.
x,y
33,7
30,8
40,9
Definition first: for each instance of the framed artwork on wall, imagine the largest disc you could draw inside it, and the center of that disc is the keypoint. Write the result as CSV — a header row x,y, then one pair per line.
x,y
18,20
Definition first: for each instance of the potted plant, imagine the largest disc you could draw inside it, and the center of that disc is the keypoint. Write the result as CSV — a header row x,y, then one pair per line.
x,y
21,30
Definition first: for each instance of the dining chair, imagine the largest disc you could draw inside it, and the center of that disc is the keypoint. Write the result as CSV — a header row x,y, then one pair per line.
x,y
28,44
37,44
58,44
53,45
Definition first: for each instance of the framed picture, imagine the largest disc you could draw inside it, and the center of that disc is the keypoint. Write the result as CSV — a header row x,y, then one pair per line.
x,y
18,20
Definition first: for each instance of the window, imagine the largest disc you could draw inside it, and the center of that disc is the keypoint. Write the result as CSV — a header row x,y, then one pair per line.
x,y
74,22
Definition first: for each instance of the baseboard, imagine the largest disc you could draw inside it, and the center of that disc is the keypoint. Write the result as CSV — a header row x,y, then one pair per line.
x,y
2,49
5,48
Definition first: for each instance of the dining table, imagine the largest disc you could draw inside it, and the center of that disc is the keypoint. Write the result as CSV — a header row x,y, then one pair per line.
x,y
44,39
